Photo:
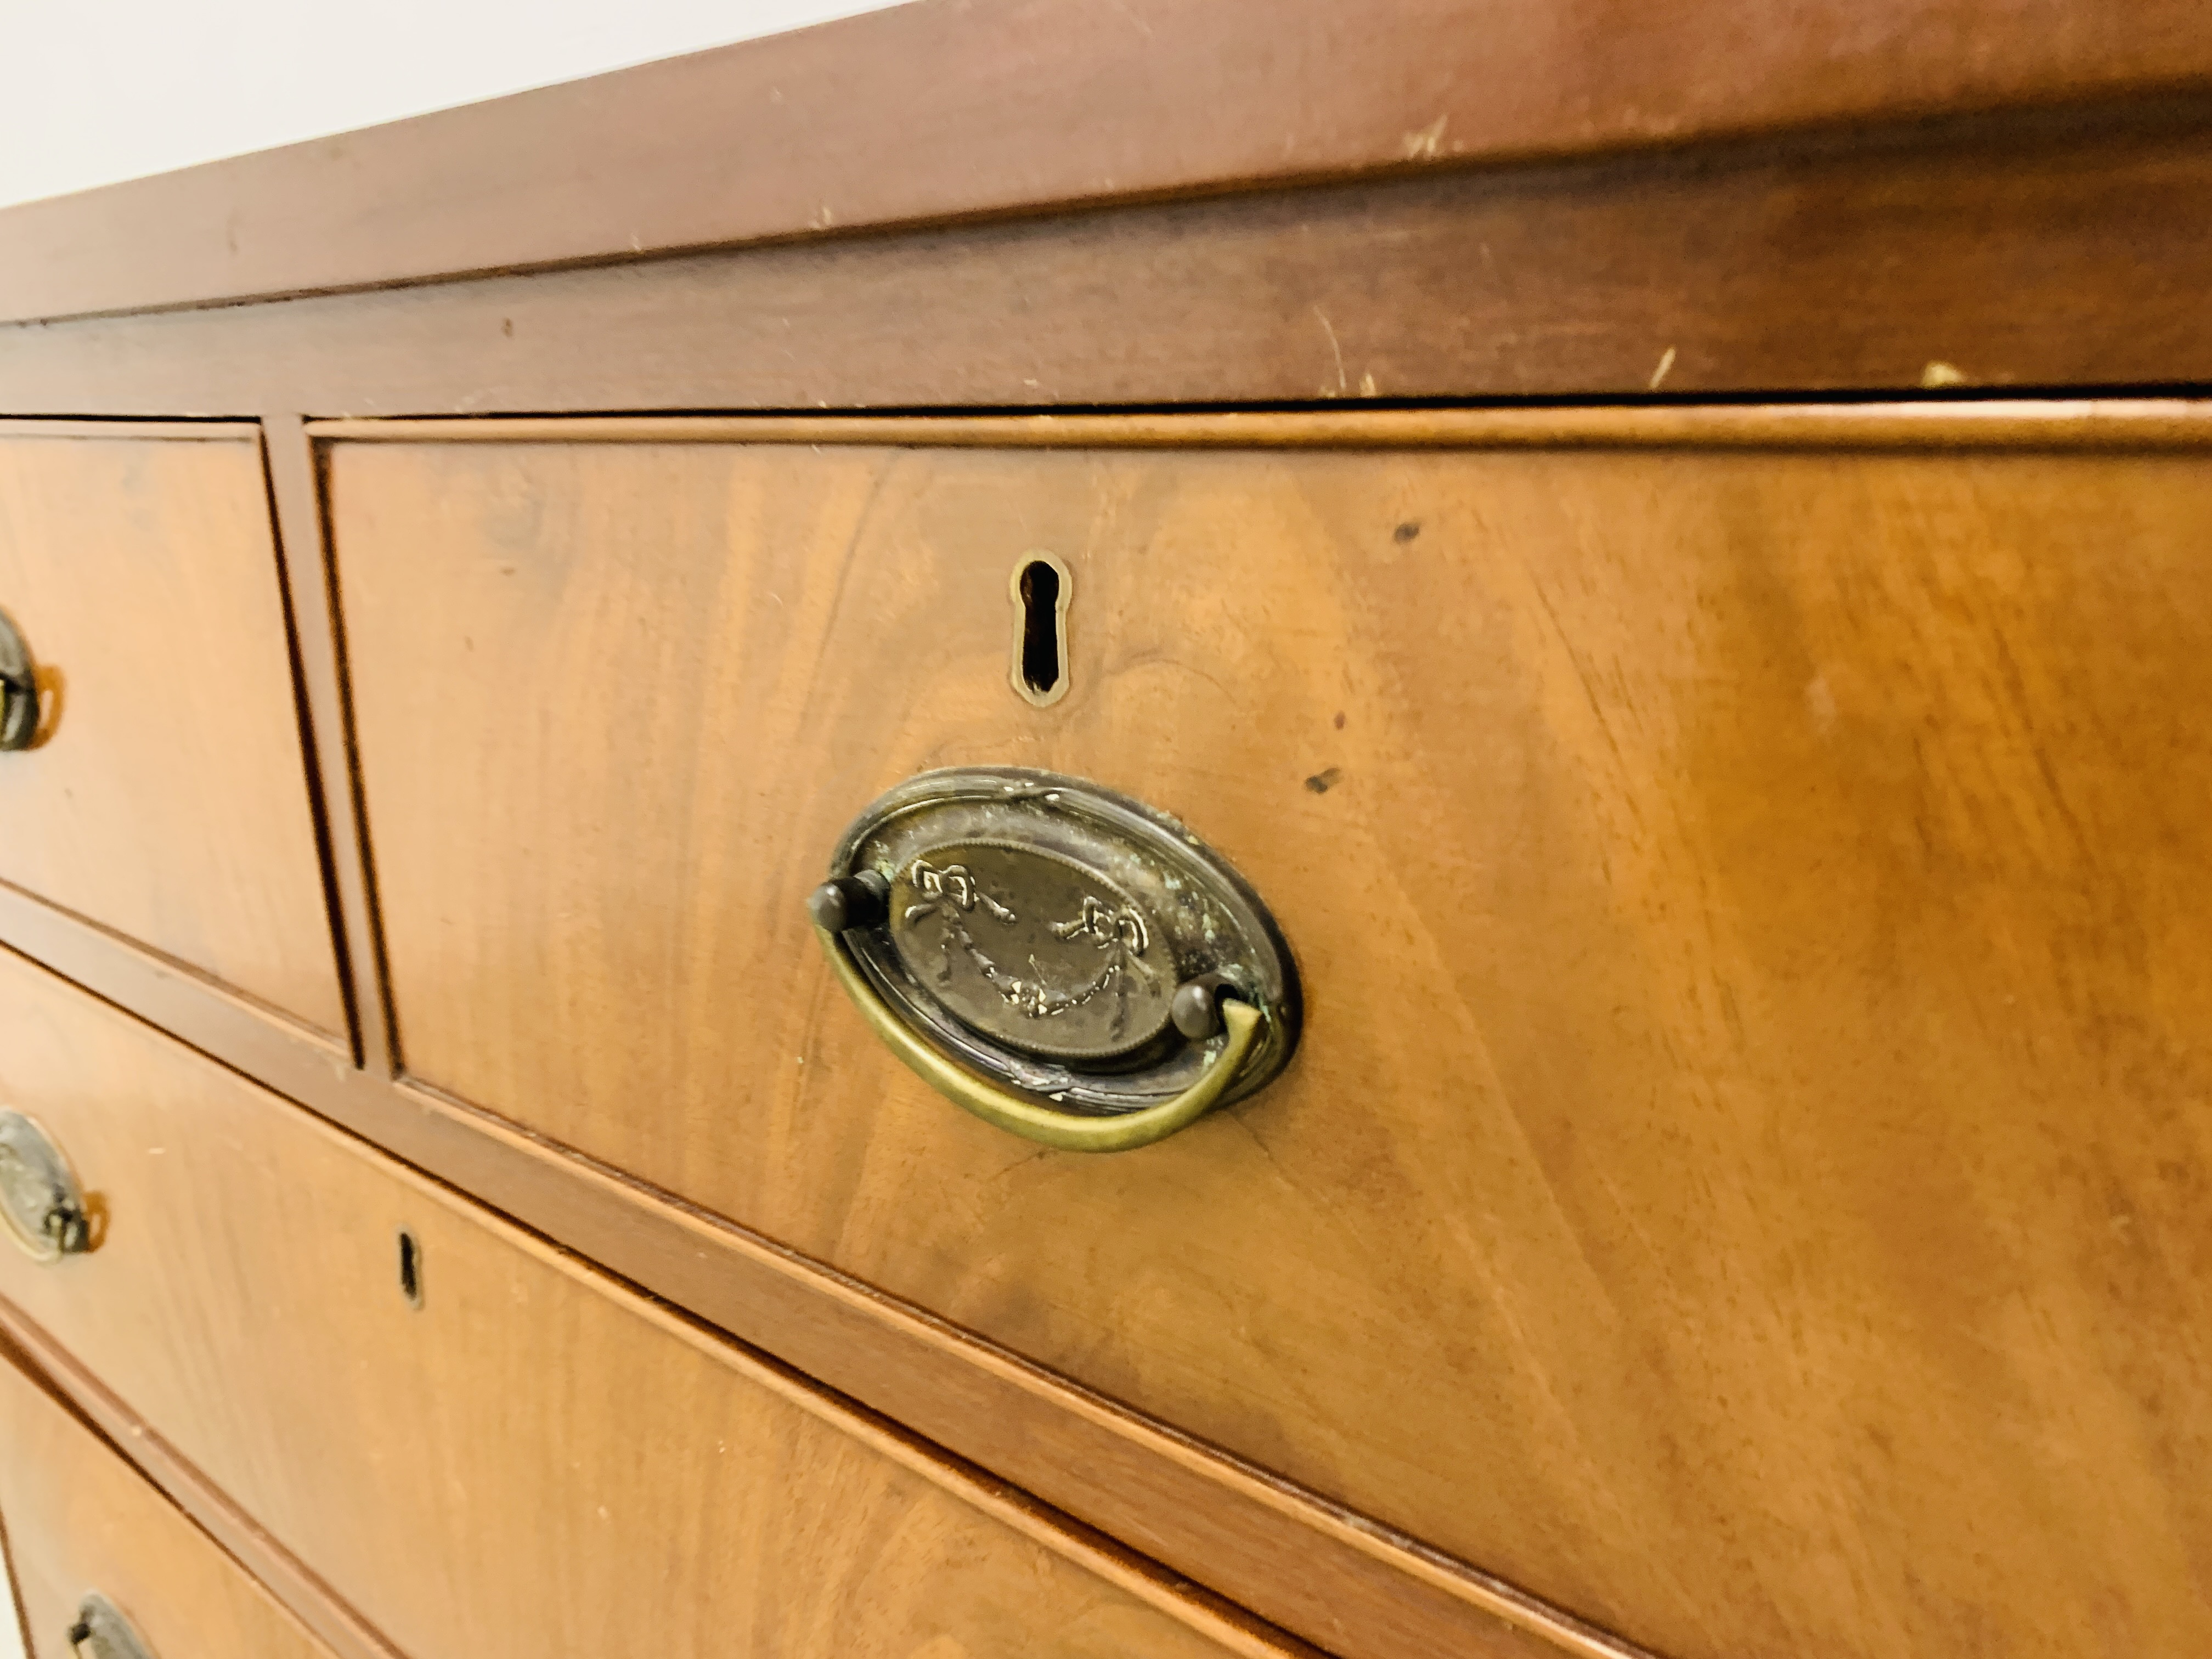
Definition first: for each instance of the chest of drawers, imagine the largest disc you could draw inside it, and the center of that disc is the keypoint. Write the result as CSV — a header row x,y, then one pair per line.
x,y
1595,742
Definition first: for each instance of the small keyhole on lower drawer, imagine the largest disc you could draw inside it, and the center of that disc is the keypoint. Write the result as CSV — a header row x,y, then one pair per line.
x,y
410,1268
1041,591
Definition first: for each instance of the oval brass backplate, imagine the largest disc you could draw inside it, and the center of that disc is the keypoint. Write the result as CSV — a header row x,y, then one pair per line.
x,y
102,1633
1037,930
40,1204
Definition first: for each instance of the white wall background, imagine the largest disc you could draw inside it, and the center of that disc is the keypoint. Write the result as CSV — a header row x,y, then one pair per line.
x,y
92,91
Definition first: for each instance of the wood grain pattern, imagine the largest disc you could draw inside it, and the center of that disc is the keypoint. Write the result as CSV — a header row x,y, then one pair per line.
x,y
80,1518
533,1460
1340,1579
963,107
1777,1237
219,431
2127,424
2047,252
169,798
342,1630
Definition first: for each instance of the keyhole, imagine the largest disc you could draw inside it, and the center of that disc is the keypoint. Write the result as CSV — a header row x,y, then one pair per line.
x,y
1040,627
410,1268
1040,591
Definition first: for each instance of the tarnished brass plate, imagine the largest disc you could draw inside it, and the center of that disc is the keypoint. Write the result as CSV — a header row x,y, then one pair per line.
x,y
1037,928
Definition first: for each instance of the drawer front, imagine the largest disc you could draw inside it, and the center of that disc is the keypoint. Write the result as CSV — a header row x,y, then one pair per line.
x,y
1738,1178
166,798
79,1519
517,1458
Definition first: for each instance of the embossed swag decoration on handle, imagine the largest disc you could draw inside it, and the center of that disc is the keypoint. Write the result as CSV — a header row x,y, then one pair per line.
x,y
1061,961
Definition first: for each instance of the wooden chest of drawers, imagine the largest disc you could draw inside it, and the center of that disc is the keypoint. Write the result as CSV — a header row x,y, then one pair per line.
x,y
1688,657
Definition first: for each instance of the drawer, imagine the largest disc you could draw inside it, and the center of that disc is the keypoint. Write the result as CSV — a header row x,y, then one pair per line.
x,y
1746,868
481,1444
80,1520
166,797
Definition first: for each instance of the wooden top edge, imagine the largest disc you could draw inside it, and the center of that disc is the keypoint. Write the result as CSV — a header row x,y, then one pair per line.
x,y
201,431
946,109
2115,423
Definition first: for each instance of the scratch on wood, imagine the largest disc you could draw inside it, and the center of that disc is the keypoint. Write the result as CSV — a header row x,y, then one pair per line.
x,y
1428,144
1821,703
1659,374
1336,351
1131,12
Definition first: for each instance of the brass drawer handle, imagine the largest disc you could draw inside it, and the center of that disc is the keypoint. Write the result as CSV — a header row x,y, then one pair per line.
x,y
19,690
1031,1121
40,1199
1058,960
102,1633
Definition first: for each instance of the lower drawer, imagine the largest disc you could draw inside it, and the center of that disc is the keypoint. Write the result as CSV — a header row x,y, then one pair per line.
x,y
484,1446
81,1521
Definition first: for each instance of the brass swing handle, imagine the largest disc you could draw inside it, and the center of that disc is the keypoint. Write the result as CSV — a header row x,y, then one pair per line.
x,y
1018,1114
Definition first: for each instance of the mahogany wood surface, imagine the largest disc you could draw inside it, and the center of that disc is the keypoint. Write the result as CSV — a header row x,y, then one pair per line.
x,y
1342,1579
963,107
79,1518
528,1458
2063,250
2074,424
276,1570
1770,850
166,797
295,502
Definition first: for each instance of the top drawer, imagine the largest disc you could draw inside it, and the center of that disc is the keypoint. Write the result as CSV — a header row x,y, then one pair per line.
x,y
1741,1175
166,796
